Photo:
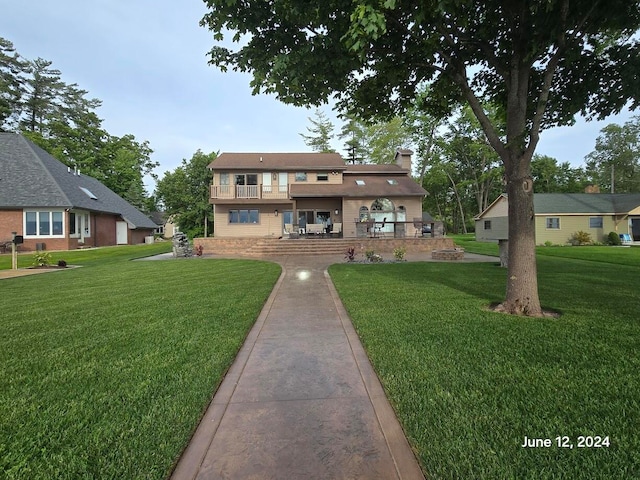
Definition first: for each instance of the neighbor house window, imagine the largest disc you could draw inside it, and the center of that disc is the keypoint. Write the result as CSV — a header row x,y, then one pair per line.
x,y
553,223
322,177
244,216
487,224
43,224
595,222
301,177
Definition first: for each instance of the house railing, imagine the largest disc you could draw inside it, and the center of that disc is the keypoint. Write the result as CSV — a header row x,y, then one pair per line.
x,y
249,191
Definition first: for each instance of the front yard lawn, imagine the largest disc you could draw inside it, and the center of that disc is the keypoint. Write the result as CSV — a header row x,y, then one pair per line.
x,y
107,369
468,385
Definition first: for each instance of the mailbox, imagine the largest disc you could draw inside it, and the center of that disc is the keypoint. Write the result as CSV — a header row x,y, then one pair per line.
x,y
18,239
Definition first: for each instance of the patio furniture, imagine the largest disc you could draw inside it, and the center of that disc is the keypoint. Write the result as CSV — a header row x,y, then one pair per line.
x,y
379,226
336,229
315,229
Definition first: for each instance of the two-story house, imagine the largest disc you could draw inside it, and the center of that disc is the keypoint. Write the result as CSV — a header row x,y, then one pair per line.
x,y
260,194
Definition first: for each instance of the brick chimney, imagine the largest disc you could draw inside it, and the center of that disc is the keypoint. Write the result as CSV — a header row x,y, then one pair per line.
x,y
592,189
403,158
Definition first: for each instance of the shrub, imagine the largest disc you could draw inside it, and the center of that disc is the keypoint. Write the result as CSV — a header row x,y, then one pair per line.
x,y
42,259
62,264
398,253
614,239
548,243
373,257
581,238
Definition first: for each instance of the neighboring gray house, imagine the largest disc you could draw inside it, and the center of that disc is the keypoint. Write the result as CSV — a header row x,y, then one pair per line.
x,y
559,215
57,208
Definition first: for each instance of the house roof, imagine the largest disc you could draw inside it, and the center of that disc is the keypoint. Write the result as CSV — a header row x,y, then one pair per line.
x,y
373,168
278,161
585,203
370,186
31,178
578,203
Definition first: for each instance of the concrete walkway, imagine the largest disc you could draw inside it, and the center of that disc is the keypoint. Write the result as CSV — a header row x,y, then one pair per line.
x,y
301,400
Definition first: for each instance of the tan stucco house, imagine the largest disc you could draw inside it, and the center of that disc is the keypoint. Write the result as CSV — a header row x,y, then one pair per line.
x,y
268,194
55,207
559,215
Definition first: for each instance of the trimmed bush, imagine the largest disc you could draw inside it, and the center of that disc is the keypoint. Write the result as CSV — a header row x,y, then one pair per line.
x,y
613,239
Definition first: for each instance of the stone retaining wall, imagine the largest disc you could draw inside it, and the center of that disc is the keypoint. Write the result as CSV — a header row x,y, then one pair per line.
x,y
448,254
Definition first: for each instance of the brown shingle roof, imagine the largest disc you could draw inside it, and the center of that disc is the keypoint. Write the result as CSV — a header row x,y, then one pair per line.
x,y
278,161
374,186
374,168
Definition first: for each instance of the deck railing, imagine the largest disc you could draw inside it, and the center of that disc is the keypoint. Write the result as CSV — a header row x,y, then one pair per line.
x,y
249,191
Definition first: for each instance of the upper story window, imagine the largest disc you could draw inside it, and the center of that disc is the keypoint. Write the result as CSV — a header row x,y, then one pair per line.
x,y
322,177
301,176
224,178
246,179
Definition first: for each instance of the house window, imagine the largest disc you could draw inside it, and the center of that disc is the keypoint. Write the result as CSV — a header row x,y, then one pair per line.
x,y
301,177
244,216
553,223
43,224
364,213
224,179
322,177
487,224
595,222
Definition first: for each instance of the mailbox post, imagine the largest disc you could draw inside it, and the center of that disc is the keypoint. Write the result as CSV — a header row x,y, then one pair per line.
x,y
16,240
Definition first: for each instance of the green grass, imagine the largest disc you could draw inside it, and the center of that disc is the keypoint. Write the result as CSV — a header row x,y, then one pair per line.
x,y
107,369
91,256
468,384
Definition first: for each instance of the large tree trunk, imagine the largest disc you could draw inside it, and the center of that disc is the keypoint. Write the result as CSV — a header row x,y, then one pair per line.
x,y
522,275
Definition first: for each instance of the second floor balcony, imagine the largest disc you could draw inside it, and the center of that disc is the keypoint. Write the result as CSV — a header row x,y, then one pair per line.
x,y
266,192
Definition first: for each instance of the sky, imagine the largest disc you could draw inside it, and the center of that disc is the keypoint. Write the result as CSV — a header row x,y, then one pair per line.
x,y
146,60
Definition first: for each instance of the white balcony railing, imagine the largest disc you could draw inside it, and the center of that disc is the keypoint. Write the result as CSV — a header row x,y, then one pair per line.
x,y
249,191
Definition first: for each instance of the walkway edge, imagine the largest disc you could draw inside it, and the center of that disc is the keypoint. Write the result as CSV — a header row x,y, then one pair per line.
x,y
405,461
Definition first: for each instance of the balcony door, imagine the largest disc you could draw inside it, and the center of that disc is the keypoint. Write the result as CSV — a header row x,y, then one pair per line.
x,y
246,185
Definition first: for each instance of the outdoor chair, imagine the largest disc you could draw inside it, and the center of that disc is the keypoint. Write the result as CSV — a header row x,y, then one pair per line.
x,y
379,227
336,229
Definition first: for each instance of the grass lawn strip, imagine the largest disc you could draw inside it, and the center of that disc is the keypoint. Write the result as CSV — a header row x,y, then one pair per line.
x,y
108,369
468,384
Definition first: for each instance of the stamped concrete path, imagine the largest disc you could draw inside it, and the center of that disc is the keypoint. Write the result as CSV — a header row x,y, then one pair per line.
x,y
301,400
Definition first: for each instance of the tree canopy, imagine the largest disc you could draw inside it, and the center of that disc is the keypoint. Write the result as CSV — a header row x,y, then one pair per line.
x,y
62,119
538,63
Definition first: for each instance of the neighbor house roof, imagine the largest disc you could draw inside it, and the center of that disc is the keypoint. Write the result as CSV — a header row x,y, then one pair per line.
x,y
585,203
31,178
579,203
278,161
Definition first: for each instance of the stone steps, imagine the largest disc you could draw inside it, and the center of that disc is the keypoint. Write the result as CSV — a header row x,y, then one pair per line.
x,y
257,247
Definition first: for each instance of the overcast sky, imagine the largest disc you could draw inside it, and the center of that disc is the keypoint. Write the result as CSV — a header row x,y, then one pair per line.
x,y
146,61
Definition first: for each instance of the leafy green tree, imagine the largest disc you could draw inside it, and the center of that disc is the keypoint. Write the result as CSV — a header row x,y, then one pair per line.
x,y
614,164
539,63
184,193
549,176
321,133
